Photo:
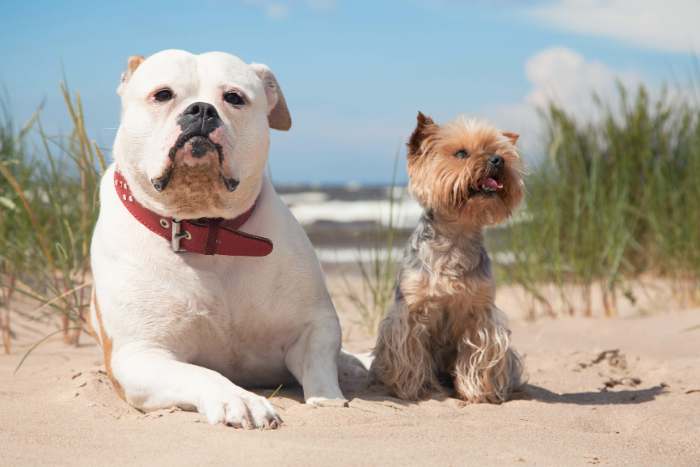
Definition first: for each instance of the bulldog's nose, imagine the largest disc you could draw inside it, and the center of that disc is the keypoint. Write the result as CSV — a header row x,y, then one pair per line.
x,y
199,118
496,161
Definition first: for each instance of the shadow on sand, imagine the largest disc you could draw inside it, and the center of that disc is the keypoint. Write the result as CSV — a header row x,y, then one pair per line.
x,y
363,390
603,397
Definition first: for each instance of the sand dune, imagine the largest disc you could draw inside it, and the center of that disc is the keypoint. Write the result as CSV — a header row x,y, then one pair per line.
x,y
601,391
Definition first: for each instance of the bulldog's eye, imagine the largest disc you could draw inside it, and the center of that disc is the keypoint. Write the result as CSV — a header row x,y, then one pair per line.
x,y
163,95
234,98
461,154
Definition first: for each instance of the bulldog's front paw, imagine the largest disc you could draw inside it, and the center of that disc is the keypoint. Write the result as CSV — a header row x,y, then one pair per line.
x,y
239,409
324,402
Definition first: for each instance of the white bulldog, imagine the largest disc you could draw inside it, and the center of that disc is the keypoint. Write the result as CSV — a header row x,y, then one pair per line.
x,y
188,329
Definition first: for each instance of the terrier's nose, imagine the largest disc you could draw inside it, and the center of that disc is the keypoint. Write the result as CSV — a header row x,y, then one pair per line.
x,y
496,161
200,117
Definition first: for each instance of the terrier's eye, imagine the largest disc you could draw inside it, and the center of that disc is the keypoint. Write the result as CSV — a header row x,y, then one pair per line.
x,y
461,154
234,98
163,95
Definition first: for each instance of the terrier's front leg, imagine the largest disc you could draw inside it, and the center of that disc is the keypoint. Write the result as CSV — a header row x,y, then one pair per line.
x,y
313,360
154,379
402,358
487,369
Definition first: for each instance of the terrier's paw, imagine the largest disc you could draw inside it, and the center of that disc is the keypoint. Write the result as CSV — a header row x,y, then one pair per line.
x,y
239,409
324,402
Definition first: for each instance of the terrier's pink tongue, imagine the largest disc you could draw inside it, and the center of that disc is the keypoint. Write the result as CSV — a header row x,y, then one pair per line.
x,y
492,184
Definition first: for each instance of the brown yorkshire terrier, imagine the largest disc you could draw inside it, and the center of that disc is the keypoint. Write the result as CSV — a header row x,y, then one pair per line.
x,y
443,322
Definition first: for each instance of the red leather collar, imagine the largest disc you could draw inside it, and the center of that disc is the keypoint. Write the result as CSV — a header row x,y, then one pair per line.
x,y
210,236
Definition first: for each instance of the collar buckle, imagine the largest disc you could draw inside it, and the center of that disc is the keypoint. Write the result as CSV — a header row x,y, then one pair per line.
x,y
177,234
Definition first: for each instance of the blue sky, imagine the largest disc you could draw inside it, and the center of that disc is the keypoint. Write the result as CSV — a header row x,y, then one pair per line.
x,y
356,72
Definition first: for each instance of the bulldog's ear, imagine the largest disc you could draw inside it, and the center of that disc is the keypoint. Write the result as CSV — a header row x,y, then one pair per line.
x,y
131,65
513,137
277,112
424,127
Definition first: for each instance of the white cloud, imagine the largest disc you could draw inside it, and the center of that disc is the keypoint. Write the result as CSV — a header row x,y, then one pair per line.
x,y
565,77
276,10
280,9
321,5
668,25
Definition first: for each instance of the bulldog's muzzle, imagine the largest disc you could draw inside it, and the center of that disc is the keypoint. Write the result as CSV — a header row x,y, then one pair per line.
x,y
197,121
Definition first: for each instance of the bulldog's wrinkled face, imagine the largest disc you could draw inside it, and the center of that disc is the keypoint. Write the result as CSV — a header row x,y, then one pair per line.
x,y
194,133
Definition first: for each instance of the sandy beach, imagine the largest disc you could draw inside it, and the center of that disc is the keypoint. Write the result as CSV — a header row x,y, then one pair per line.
x,y
409,141
621,391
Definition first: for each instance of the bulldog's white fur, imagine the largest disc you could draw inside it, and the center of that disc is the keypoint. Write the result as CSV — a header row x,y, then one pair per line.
x,y
189,330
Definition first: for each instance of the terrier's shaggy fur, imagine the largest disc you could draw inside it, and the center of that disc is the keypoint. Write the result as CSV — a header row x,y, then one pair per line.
x,y
443,322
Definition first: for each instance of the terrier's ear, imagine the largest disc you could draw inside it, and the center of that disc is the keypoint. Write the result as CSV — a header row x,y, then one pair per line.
x,y
131,65
513,137
424,127
277,112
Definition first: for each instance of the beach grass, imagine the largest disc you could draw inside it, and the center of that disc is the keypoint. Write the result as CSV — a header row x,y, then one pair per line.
x,y
48,201
614,200
373,294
